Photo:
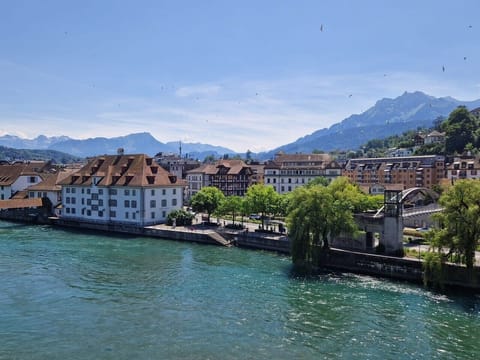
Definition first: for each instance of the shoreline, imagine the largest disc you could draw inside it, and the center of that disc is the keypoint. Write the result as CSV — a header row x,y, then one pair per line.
x,y
405,269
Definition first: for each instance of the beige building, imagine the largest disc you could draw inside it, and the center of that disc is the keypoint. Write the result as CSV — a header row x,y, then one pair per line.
x,y
289,171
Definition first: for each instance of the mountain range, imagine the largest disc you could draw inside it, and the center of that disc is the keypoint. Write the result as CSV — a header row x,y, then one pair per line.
x,y
387,117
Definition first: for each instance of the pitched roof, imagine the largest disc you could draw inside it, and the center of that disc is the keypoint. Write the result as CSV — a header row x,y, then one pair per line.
x,y
9,173
122,170
20,203
232,167
51,181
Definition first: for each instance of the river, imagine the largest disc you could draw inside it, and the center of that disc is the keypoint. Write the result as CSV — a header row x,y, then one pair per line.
x,y
86,295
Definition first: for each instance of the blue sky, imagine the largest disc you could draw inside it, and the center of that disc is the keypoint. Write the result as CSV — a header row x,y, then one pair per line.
x,y
240,74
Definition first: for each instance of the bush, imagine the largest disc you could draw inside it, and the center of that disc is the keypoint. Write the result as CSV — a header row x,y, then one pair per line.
x,y
183,218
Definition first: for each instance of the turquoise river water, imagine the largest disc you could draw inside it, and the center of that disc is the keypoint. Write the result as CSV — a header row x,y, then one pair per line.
x,y
74,295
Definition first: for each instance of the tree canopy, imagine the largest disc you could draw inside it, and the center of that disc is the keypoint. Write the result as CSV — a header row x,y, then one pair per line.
x,y
459,232
317,214
460,129
208,199
262,199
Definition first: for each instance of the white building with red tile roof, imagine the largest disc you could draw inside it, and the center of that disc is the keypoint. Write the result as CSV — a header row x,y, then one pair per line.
x,y
18,176
129,189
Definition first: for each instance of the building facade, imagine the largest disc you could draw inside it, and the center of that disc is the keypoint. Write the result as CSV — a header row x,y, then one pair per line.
x,y
289,171
232,177
19,176
130,189
463,168
411,171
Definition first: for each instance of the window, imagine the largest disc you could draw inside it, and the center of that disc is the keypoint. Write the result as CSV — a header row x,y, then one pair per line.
x,y
126,215
153,204
174,191
127,203
94,196
67,210
113,213
74,190
100,191
88,191
83,201
83,191
152,215
74,200
134,192
112,202
89,202
74,210
126,192
68,190
100,202
67,200
112,191
153,192
164,202
100,214
174,202
32,179
95,207
164,192
133,216
164,214
134,204
89,213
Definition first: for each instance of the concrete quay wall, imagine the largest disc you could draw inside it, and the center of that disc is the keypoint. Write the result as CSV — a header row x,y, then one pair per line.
x,y
261,241
396,268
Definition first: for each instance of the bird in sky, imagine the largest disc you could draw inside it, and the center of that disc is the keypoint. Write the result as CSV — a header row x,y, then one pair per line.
x,y
443,68
321,27
464,58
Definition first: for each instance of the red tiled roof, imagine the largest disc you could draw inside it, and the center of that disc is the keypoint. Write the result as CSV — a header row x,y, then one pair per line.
x,y
122,170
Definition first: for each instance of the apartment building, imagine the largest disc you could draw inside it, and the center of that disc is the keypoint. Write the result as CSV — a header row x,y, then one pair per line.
x,y
289,171
409,171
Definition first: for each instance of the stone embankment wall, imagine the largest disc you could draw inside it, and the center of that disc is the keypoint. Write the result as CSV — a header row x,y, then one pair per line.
x,y
263,241
396,268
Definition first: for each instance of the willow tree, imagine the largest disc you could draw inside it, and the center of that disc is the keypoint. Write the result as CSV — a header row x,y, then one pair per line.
x,y
318,214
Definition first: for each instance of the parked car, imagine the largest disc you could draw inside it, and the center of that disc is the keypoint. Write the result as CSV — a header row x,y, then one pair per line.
x,y
255,217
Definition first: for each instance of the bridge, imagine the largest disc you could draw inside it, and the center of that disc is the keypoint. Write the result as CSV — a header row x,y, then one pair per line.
x,y
412,207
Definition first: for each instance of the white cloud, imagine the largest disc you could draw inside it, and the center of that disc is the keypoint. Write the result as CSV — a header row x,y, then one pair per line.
x,y
236,113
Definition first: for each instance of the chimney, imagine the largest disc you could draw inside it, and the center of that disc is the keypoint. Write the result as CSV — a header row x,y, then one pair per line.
x,y
120,151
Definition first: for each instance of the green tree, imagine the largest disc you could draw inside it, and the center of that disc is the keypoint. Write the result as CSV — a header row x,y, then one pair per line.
x,y
182,217
261,199
459,130
232,205
320,213
208,199
459,232
318,181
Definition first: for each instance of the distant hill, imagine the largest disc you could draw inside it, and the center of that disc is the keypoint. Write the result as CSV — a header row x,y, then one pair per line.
x,y
387,117
56,157
140,143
